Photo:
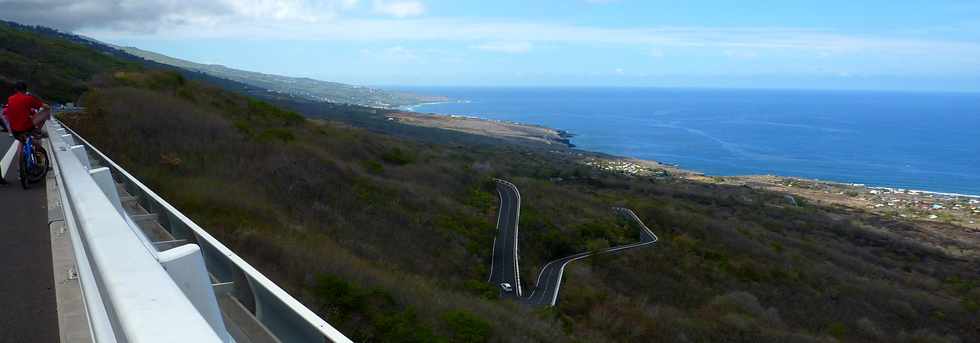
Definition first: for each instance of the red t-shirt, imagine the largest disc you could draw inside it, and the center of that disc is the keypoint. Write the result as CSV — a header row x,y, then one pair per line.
x,y
20,108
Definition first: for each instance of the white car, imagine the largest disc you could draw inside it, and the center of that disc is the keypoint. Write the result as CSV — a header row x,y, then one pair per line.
x,y
506,287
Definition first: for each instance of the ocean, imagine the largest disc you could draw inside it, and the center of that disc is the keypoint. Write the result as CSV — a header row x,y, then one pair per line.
x,y
924,141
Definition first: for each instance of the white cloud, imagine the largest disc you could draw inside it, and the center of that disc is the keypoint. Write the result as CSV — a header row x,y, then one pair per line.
x,y
399,53
399,8
505,47
152,15
402,54
741,53
471,31
325,20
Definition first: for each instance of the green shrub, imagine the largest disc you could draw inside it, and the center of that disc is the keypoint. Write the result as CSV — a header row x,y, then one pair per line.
x,y
776,246
336,292
244,127
837,329
389,322
402,326
474,231
480,198
970,305
466,327
277,134
262,110
397,156
373,167
482,289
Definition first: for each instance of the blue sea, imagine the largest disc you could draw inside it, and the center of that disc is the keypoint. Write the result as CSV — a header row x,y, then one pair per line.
x,y
925,141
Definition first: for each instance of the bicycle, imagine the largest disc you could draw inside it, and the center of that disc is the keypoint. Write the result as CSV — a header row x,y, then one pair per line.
x,y
33,162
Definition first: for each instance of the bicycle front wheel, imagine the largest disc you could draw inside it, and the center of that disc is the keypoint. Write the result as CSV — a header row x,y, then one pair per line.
x,y
39,169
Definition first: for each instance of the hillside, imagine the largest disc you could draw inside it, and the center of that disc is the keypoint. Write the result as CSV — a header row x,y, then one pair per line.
x,y
305,88
388,236
57,66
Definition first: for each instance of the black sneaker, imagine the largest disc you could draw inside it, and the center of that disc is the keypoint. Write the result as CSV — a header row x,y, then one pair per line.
x,y
3,182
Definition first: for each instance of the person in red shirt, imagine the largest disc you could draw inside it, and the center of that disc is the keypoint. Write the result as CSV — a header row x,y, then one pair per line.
x,y
25,112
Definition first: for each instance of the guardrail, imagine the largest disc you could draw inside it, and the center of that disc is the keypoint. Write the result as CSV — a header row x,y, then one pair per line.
x,y
126,279
128,294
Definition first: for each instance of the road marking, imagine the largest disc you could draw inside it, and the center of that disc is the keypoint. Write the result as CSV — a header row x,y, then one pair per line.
x,y
540,274
8,158
561,271
517,221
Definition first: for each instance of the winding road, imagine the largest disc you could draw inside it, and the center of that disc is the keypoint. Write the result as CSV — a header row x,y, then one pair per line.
x,y
504,262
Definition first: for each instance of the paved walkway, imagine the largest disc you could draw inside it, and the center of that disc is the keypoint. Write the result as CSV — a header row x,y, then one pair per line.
x,y
28,312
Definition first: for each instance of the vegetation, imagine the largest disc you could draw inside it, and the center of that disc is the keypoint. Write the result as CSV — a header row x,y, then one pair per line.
x,y
58,67
388,236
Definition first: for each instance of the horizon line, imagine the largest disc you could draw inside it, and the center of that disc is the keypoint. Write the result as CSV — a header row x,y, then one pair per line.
x,y
737,88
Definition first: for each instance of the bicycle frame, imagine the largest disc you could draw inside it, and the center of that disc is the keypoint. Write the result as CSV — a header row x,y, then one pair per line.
x,y
27,151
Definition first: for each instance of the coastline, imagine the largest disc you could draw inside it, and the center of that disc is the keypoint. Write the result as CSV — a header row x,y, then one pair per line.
x,y
413,108
486,127
552,136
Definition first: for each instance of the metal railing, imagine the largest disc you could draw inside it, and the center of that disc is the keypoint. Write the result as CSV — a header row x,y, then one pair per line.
x,y
93,198
128,294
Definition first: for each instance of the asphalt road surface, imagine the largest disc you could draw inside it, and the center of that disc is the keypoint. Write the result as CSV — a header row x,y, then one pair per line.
x,y
28,312
504,262
549,280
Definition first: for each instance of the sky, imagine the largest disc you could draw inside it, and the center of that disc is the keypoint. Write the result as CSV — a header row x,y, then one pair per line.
x,y
829,44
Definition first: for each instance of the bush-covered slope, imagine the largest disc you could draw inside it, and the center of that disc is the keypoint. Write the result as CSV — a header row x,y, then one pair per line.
x,y
406,228
387,236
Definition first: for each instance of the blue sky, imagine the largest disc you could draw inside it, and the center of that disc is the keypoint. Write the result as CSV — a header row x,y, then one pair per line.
x,y
903,45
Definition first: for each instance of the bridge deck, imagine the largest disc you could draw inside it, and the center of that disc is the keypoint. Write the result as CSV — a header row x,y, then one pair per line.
x,y
28,311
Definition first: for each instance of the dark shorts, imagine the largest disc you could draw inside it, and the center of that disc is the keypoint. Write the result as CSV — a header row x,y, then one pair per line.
x,y
21,135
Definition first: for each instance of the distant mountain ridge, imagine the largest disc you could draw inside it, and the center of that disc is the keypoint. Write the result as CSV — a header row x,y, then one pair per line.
x,y
302,87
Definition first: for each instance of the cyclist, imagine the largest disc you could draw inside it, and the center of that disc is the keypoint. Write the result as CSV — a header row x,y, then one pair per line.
x,y
25,112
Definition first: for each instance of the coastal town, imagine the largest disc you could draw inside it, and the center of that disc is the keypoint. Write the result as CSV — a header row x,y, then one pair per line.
x,y
626,166
909,204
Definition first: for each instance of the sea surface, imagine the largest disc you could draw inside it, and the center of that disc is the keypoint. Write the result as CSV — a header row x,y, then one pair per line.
x,y
924,141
